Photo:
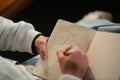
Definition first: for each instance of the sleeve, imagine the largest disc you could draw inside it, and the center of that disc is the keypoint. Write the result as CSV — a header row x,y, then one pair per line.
x,y
16,36
19,72
68,77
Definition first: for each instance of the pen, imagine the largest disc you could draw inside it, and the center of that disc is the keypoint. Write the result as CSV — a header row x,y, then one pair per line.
x,y
70,51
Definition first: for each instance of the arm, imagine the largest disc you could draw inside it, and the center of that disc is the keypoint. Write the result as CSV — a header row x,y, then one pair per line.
x,y
16,36
21,37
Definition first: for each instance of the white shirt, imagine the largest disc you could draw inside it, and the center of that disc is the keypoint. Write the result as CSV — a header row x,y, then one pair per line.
x,y
18,37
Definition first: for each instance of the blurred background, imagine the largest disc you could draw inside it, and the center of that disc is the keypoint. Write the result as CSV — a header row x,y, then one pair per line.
x,y
43,14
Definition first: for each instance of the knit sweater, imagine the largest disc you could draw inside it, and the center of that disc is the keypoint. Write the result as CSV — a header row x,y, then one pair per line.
x,y
18,37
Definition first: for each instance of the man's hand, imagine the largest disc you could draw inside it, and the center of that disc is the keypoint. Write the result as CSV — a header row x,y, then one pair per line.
x,y
73,61
41,46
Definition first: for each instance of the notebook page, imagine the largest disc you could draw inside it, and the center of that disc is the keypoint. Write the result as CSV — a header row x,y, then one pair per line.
x,y
104,56
64,34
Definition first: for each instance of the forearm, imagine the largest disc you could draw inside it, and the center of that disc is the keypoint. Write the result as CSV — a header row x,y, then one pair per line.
x,y
16,36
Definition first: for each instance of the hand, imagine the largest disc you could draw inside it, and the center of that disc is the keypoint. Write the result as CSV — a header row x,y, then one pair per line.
x,y
89,75
41,46
75,63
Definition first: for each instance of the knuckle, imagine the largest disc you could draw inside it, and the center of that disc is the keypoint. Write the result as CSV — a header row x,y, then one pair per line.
x,y
42,42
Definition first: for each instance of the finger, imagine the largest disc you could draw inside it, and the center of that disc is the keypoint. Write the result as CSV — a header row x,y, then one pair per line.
x,y
72,50
67,49
43,51
42,55
60,54
61,59
43,48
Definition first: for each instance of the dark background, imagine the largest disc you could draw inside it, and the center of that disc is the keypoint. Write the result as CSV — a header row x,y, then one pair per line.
x,y
43,14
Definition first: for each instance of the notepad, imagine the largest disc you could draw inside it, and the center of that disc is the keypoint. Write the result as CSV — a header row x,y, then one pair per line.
x,y
102,49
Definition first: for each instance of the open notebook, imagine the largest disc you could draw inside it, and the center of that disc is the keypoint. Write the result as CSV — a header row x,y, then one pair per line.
x,y
102,48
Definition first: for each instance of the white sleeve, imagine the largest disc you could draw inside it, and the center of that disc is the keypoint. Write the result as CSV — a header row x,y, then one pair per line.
x,y
16,36
11,71
68,77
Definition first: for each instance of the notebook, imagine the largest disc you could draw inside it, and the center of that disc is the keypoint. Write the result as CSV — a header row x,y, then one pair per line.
x,y
102,49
